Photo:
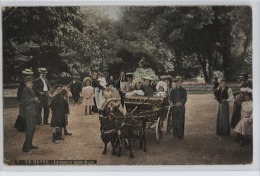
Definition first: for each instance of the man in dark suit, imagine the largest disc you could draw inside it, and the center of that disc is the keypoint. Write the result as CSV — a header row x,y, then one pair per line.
x,y
76,88
121,85
86,73
28,110
178,98
41,88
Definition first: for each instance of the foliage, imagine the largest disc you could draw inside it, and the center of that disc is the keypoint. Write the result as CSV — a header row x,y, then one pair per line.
x,y
35,36
142,72
201,33
187,40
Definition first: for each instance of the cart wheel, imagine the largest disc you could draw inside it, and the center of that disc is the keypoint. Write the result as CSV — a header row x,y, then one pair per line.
x,y
169,122
158,130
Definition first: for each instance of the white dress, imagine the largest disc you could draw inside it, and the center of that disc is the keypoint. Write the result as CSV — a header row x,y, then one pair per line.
x,y
135,92
99,93
245,125
102,81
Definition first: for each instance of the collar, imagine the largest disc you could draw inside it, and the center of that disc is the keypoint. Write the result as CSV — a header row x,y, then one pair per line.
x,y
42,78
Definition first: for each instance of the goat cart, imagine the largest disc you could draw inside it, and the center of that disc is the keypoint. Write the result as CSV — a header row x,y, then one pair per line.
x,y
151,110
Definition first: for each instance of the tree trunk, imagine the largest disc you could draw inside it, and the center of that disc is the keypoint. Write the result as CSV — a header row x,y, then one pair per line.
x,y
226,50
203,64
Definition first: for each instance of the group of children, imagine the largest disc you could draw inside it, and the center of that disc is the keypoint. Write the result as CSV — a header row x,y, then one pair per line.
x,y
101,95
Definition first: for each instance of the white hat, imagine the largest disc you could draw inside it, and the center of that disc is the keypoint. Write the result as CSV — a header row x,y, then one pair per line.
x,y
161,84
27,71
148,78
137,80
42,70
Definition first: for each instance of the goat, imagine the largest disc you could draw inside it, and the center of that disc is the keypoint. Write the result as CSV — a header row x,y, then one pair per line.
x,y
131,128
108,129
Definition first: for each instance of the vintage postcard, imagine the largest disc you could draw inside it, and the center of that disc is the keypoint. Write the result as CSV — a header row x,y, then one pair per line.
x,y
128,85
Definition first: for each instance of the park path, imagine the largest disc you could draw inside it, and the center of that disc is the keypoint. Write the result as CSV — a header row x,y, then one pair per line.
x,y
200,146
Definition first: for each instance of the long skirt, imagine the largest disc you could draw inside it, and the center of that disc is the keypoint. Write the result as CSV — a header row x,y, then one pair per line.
x,y
99,97
223,125
236,116
244,126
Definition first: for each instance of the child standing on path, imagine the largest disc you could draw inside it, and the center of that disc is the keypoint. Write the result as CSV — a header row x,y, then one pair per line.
x,y
65,122
88,93
58,114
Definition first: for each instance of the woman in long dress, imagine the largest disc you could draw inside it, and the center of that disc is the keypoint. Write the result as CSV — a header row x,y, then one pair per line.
x,y
224,96
244,128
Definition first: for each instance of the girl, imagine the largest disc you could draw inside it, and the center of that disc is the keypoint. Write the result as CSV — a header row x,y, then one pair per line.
x,y
88,92
244,128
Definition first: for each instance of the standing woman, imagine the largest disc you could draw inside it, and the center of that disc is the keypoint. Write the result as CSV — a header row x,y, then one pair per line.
x,y
223,95
28,110
20,123
98,89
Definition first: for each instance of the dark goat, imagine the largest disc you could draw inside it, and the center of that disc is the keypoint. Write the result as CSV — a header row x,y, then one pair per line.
x,y
130,129
108,129
109,134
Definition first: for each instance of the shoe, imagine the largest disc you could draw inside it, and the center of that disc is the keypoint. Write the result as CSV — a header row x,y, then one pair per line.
x,y
242,143
237,140
60,138
46,123
181,137
34,147
27,151
67,133
55,141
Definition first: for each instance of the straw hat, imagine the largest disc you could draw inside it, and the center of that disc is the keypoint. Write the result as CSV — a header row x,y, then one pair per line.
x,y
223,79
27,71
87,79
137,80
129,74
178,78
246,90
42,70
148,78
161,84
243,75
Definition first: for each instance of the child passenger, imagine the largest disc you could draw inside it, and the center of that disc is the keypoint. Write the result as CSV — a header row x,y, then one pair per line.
x,y
161,88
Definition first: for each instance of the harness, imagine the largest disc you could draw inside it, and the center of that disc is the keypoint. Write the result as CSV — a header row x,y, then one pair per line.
x,y
109,131
128,124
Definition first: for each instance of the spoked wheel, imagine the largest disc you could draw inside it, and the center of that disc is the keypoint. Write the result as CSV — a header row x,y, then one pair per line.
x,y
158,130
169,122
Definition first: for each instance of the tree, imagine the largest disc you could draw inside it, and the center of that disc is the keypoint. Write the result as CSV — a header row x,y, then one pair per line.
x,y
201,33
33,36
